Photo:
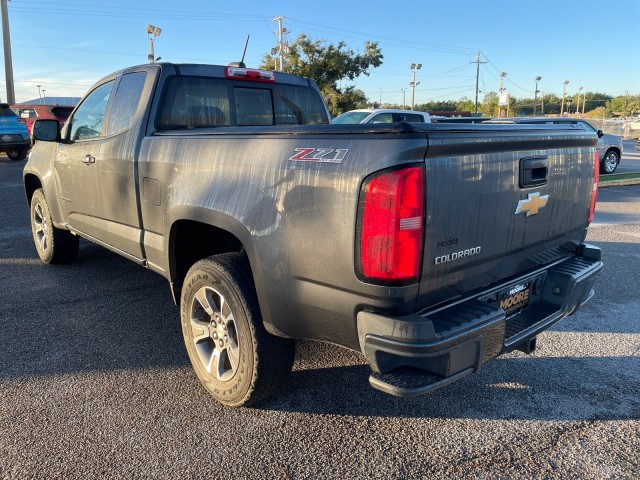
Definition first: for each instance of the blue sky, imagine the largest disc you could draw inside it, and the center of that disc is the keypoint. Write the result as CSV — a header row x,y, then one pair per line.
x,y
66,45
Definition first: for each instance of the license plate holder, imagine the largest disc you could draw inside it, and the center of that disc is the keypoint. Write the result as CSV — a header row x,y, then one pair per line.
x,y
515,298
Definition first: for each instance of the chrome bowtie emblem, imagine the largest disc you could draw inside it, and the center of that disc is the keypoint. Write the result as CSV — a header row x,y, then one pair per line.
x,y
532,204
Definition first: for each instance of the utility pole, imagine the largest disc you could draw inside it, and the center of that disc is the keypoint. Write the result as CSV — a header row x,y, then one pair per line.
x,y
281,32
8,63
502,75
578,109
564,92
478,62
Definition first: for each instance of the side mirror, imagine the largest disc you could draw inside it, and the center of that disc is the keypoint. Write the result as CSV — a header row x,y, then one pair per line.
x,y
46,130
600,134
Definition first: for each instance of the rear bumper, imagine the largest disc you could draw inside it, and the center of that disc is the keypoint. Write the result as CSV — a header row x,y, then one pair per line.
x,y
418,353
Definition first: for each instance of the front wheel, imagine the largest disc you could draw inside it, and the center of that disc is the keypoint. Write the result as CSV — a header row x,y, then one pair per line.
x,y
54,245
18,153
233,355
610,162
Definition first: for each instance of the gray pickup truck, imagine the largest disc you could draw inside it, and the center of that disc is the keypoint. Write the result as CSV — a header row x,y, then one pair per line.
x,y
430,248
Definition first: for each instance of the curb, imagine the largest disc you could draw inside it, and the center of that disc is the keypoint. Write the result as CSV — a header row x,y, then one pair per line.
x,y
619,183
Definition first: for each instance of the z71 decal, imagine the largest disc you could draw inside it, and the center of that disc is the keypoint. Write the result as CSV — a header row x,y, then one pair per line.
x,y
321,155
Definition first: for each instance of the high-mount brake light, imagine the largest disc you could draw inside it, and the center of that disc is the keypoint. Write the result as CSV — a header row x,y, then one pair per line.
x,y
250,74
594,187
392,226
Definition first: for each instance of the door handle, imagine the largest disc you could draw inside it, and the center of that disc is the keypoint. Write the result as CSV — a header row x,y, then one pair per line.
x,y
88,159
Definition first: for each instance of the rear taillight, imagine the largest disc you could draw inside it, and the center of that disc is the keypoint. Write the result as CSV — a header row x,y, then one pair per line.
x,y
594,186
391,226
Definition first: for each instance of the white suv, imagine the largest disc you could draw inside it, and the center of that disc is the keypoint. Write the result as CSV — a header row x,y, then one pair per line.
x,y
381,115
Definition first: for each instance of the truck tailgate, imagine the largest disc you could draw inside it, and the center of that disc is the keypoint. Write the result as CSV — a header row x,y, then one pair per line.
x,y
500,205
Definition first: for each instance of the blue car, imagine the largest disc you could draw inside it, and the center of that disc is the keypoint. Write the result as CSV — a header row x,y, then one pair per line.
x,y
14,136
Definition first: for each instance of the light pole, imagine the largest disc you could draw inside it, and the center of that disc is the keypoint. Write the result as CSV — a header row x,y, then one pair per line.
x,y
535,95
414,67
502,75
542,103
568,107
584,100
39,94
578,109
152,32
564,92
404,91
44,96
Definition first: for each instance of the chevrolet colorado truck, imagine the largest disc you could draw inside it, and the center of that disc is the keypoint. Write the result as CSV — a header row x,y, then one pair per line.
x,y
430,248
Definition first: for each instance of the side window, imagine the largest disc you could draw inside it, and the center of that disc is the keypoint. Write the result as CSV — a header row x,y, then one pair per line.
x,y
254,106
88,120
408,117
125,102
298,106
382,118
194,102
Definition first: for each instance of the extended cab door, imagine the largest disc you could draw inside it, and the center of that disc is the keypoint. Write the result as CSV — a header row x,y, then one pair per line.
x,y
96,163
77,160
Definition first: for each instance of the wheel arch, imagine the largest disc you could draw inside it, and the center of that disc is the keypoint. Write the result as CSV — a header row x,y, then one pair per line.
x,y
201,233
31,183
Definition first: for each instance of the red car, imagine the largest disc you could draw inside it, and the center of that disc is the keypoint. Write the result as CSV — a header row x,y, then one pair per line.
x,y
31,113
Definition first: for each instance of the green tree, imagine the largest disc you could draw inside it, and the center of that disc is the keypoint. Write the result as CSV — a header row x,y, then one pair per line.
x,y
489,106
328,64
625,106
599,112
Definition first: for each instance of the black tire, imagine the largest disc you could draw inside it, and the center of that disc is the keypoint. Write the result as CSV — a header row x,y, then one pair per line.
x,y
54,245
18,153
233,355
610,162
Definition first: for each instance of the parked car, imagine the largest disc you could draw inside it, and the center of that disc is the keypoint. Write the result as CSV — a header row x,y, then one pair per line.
x,y
14,137
609,147
31,113
381,115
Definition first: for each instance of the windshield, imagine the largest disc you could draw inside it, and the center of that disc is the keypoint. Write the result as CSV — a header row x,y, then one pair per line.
x,y
351,117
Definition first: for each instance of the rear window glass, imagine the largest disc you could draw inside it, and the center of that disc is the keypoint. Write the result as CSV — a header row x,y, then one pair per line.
x,y
62,112
7,112
201,102
191,102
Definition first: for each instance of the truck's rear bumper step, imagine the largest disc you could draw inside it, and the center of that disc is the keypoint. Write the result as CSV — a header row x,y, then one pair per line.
x,y
418,353
411,382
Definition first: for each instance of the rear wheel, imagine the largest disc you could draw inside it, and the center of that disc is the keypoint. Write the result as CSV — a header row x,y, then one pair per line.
x,y
610,162
54,245
235,358
18,153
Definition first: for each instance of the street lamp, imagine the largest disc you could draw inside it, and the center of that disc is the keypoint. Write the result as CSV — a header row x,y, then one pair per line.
x,y
584,100
152,32
578,108
39,94
44,97
564,92
535,95
414,67
404,91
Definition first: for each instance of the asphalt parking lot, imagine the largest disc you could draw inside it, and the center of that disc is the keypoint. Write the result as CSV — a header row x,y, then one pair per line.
x,y
95,383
